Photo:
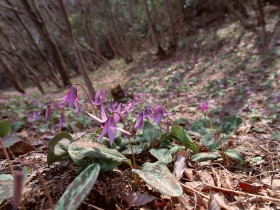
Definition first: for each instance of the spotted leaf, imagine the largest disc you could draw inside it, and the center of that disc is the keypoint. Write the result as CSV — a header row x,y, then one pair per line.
x,y
79,189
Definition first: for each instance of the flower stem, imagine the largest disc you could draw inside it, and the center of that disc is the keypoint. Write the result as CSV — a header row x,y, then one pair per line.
x,y
7,157
64,115
95,112
132,153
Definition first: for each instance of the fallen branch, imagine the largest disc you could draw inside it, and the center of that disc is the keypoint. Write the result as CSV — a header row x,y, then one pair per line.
x,y
265,198
202,195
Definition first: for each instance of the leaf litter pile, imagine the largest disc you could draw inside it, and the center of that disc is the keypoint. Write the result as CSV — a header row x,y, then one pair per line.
x,y
218,148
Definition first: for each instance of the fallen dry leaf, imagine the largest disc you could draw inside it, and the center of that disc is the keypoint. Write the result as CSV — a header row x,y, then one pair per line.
x,y
206,177
189,174
275,182
250,188
213,204
138,199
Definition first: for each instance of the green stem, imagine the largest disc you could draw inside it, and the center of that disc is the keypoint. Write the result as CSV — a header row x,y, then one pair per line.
x,y
95,112
66,118
7,157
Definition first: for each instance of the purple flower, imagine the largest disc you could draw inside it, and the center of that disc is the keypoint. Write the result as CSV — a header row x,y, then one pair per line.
x,y
158,113
110,128
255,51
103,116
204,106
277,99
139,121
128,107
144,114
34,116
116,112
71,98
99,97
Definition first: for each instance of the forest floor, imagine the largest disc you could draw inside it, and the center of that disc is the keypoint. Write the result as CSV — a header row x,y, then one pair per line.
x,y
224,65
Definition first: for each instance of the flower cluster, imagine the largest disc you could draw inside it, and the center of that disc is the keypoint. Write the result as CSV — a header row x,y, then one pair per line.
x,y
155,114
109,117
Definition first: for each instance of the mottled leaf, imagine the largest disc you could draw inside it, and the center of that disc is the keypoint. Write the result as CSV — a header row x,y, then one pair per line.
x,y
137,149
176,149
209,141
16,126
5,128
79,189
206,156
138,199
162,155
228,124
58,147
158,176
180,134
6,186
150,131
234,155
85,150
201,126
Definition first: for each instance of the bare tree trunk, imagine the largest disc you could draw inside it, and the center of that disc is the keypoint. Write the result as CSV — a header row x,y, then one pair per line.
x,y
49,68
172,34
261,18
131,11
11,76
161,52
49,42
116,38
79,57
236,14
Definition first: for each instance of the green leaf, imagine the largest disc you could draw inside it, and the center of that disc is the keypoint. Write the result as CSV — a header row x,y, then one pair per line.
x,y
137,149
79,189
201,126
230,123
6,186
16,126
180,134
85,150
176,149
234,155
58,147
162,155
206,156
5,128
209,141
158,176
150,131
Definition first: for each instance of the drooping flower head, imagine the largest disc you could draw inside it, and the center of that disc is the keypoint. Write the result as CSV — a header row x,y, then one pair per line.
x,y
71,98
155,114
110,126
99,97
204,106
